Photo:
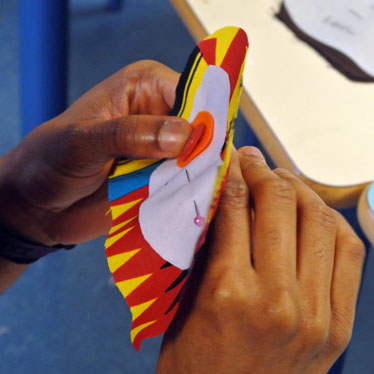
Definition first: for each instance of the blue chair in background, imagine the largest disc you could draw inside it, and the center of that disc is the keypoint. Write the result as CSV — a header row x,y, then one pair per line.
x,y
43,60
44,30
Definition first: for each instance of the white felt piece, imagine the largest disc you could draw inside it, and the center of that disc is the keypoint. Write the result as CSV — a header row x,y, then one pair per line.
x,y
324,122
346,25
167,217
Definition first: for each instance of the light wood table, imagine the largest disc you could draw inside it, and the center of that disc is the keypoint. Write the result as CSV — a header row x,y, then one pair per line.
x,y
309,118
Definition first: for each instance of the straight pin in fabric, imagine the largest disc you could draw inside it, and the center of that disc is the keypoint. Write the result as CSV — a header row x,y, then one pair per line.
x,y
198,220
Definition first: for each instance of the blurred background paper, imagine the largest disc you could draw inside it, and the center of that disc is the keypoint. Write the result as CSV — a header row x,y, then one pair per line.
x,y
346,25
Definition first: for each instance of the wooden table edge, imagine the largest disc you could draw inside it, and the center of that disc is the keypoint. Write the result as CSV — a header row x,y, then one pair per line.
x,y
336,197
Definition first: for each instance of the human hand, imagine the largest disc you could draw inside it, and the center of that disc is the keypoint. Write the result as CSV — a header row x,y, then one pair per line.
x,y
54,181
274,290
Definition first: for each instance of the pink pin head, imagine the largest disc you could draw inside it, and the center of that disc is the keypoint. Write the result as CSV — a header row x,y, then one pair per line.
x,y
199,221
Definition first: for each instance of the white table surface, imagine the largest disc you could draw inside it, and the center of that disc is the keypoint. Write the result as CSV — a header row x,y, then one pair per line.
x,y
324,121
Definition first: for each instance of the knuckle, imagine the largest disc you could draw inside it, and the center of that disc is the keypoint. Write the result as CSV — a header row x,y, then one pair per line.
x,y
73,132
227,293
354,249
279,191
226,301
275,236
224,284
235,194
68,142
322,215
223,297
322,248
314,333
280,316
251,161
125,132
152,67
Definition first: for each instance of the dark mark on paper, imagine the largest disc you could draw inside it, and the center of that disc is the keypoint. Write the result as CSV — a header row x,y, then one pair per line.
x,y
337,25
356,14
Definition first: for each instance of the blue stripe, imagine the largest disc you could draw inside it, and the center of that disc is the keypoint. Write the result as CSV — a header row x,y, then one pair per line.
x,y
125,184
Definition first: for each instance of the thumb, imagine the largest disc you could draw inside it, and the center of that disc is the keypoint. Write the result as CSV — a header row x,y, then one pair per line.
x,y
136,137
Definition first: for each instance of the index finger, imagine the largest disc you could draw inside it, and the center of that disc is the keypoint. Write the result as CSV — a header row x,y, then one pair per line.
x,y
274,243
231,226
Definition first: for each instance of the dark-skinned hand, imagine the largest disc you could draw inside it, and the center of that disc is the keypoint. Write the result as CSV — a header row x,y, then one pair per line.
x,y
53,185
274,290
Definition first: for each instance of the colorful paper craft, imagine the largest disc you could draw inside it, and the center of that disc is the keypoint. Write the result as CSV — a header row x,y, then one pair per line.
x,y
161,209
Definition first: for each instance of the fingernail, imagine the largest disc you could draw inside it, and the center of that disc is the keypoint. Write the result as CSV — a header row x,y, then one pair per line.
x,y
172,136
192,142
252,151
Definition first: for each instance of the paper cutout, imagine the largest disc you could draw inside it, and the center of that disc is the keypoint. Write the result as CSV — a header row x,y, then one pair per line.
x,y
341,30
203,121
161,211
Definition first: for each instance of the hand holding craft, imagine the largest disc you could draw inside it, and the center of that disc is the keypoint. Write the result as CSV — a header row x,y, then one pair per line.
x,y
275,288
54,182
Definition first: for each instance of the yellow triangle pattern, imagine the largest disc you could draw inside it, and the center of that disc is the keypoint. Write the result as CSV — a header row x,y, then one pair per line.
x,y
110,241
117,210
116,261
130,167
117,227
136,331
224,39
129,285
139,309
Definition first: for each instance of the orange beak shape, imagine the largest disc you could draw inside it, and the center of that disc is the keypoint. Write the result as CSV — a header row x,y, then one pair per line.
x,y
201,136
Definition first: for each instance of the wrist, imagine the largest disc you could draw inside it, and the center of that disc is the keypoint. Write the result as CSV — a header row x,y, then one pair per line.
x,y
16,214
21,251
